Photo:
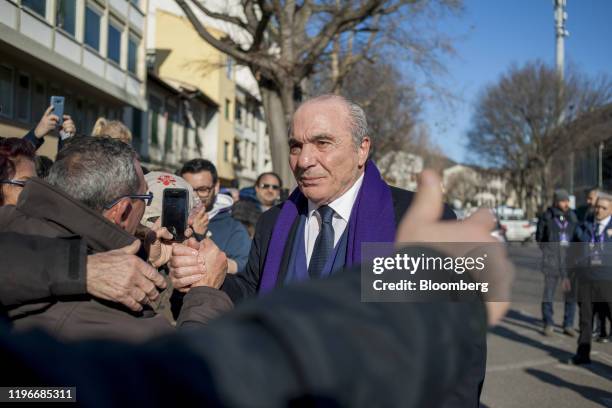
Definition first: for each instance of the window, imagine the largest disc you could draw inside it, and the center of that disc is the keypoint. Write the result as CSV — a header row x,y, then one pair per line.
x,y
228,70
238,114
40,103
237,151
253,157
136,127
133,44
65,17
155,108
226,151
227,108
38,6
114,43
154,128
23,97
92,28
6,91
172,116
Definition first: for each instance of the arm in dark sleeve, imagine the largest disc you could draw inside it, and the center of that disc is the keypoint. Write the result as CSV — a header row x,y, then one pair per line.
x,y
201,305
239,246
35,268
243,285
311,344
60,144
582,234
449,214
36,142
541,232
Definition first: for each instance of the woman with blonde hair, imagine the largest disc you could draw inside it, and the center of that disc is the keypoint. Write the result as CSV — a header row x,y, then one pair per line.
x,y
113,128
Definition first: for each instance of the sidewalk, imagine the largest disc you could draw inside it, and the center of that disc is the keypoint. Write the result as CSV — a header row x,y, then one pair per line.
x,y
526,369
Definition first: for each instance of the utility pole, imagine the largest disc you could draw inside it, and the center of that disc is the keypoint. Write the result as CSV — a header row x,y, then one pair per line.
x,y
560,34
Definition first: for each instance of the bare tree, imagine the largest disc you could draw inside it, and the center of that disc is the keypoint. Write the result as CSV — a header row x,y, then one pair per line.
x,y
462,186
522,121
284,42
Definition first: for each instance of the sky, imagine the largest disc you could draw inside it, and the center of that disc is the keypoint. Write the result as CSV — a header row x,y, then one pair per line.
x,y
490,35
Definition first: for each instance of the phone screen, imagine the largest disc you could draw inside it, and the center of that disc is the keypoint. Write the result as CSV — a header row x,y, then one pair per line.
x,y
58,108
174,212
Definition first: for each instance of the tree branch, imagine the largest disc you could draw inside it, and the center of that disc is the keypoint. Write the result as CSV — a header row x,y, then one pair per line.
x,y
220,16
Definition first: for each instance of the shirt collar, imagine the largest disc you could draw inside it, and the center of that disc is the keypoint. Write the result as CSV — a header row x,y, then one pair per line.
x,y
605,221
342,205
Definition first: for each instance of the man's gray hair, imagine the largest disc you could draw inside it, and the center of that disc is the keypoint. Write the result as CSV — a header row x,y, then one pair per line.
x,y
604,195
357,117
95,171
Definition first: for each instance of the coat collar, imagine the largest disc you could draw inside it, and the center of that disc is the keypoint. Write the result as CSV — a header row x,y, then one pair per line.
x,y
41,200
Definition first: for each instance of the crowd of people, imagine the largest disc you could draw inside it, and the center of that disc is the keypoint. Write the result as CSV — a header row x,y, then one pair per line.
x,y
86,258
576,257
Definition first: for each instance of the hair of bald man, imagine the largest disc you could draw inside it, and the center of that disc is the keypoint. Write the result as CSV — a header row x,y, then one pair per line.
x,y
356,115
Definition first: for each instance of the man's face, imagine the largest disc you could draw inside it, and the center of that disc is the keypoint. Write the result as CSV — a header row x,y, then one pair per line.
x,y
563,205
591,198
268,190
322,155
603,209
24,170
204,187
138,206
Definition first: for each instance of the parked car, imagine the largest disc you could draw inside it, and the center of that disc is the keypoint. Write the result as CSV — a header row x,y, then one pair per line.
x,y
518,228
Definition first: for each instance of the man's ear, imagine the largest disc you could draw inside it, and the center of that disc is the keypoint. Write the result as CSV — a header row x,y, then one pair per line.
x,y
119,212
363,151
217,187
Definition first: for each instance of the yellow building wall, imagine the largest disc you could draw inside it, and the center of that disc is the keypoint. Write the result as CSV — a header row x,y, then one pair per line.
x,y
49,148
185,57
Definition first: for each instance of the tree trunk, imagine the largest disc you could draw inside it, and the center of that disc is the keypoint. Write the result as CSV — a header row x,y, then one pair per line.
x,y
276,120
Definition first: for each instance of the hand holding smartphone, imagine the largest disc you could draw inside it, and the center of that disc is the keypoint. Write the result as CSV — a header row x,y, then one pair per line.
x,y
58,109
175,212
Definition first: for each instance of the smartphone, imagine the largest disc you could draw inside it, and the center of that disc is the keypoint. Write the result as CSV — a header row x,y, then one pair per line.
x,y
58,108
175,212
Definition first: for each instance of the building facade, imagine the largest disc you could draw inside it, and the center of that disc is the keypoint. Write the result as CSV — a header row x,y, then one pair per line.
x,y
251,141
89,51
181,58
234,136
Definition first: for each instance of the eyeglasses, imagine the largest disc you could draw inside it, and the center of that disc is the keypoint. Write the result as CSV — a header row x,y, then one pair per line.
x,y
147,198
272,186
204,189
20,183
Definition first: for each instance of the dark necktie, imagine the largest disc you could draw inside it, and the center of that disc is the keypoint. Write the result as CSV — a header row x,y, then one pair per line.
x,y
324,245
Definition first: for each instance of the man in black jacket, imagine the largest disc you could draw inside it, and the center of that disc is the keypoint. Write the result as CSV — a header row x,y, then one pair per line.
x,y
556,229
95,190
341,202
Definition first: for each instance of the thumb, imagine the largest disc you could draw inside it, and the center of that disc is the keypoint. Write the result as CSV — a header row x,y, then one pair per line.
x,y
131,249
49,110
426,207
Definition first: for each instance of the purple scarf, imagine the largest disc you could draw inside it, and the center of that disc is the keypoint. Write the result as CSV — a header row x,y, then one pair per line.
x,y
372,220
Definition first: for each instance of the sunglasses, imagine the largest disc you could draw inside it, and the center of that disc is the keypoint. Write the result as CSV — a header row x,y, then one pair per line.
x,y
20,183
147,198
272,186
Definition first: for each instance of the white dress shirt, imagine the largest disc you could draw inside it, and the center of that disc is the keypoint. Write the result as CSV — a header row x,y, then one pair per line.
x,y
342,207
603,224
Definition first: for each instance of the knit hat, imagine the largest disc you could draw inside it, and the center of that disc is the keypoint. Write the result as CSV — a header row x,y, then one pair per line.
x,y
561,195
158,181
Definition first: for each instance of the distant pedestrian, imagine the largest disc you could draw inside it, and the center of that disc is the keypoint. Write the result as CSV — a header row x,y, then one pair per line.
x,y
555,231
586,212
266,191
594,283
113,129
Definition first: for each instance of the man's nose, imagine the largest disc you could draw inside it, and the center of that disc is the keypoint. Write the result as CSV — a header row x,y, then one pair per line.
x,y
307,157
